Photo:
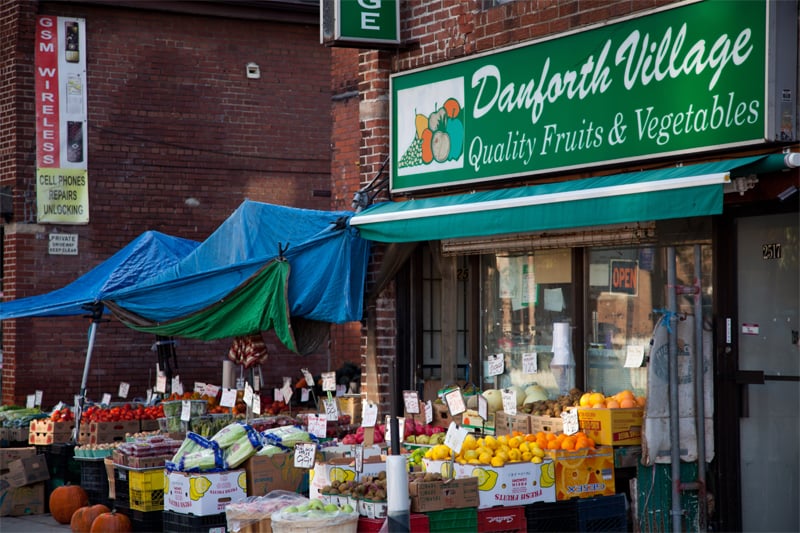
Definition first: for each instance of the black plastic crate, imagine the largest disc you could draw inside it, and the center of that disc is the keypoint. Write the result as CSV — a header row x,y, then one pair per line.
x,y
61,462
94,480
122,494
560,516
603,513
189,523
142,521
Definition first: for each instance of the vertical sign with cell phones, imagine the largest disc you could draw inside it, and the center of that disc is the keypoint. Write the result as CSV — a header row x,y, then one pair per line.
x,y
62,192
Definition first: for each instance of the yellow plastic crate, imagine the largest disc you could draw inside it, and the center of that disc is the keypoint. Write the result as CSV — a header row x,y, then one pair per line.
x,y
146,490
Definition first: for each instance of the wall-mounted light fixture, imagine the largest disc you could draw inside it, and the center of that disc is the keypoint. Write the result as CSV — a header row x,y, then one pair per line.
x,y
253,71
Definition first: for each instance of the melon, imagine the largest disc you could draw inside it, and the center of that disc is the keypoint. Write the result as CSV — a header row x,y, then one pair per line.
x,y
535,393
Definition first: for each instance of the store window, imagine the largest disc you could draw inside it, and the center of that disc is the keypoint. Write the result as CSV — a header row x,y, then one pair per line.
x,y
524,297
532,304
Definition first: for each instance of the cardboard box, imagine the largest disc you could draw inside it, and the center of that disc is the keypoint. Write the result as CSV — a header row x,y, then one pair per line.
x,y
44,431
460,493
342,469
509,485
471,420
612,427
19,501
441,416
27,471
505,423
350,404
8,455
426,496
203,493
265,474
548,424
105,432
583,473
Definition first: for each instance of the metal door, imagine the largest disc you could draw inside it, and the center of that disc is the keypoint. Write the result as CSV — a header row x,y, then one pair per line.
x,y
769,359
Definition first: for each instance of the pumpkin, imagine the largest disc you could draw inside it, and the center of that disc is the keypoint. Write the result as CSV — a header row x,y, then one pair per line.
x,y
65,500
82,519
112,522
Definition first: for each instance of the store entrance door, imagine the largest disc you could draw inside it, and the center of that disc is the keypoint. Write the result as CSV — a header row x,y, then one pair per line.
x,y
769,364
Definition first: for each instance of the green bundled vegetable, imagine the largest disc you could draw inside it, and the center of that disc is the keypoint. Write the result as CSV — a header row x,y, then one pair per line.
x,y
205,459
286,436
230,434
269,450
191,444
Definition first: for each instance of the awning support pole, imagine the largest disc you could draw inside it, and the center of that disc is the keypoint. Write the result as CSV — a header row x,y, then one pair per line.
x,y
699,384
96,315
674,430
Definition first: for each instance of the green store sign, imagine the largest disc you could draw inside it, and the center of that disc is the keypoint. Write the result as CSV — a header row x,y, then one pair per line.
x,y
685,79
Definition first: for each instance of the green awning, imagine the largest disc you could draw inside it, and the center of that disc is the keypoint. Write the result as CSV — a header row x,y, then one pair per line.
x,y
677,192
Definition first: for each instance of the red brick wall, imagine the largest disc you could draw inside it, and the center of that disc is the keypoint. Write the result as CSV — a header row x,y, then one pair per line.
x,y
171,116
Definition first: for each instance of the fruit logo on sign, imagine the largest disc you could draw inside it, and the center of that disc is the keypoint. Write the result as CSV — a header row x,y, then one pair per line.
x,y
439,137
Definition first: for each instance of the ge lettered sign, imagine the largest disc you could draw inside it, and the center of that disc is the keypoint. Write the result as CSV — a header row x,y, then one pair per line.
x,y
360,22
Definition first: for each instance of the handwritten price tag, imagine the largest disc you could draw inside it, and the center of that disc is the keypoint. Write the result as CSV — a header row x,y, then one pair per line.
x,y
329,381
358,455
369,415
161,383
483,407
428,412
509,401
411,401
401,428
123,389
530,363
304,395
199,387
454,438
455,402
38,398
497,365
186,410
331,409
318,426
177,386
570,418
287,392
29,401
277,395
228,398
308,377
248,395
256,404
106,399
304,455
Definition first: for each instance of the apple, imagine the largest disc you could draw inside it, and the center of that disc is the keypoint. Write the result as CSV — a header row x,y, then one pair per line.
x,y
290,509
347,508
331,508
316,505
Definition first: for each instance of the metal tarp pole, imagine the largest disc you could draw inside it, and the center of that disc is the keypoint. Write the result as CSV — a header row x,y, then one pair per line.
x,y
97,313
699,387
674,412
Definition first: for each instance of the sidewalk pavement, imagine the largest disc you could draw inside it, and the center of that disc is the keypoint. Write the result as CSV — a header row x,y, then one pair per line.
x,y
32,523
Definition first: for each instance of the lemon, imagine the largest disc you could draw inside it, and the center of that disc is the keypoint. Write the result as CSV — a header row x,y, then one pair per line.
x,y
497,461
471,454
514,455
485,458
527,456
470,443
536,459
502,440
523,447
490,442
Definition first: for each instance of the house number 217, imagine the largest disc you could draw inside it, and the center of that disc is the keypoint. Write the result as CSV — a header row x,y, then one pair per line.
x,y
771,251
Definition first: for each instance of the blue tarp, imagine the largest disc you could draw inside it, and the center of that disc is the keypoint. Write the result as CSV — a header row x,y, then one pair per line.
x,y
328,261
142,258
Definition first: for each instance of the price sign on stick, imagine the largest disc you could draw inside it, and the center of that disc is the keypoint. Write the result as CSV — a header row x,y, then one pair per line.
x,y
308,377
186,410
454,438
287,392
38,398
318,426
401,427
358,455
161,383
228,398
570,419
199,387
29,401
106,399
304,455
455,401
123,389
257,404
530,363
509,401
304,394
411,401
277,395
248,395
428,412
331,409
369,415
211,390
483,407
329,381
497,364
177,386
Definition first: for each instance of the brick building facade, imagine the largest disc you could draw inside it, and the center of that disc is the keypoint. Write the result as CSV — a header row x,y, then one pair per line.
x,y
172,116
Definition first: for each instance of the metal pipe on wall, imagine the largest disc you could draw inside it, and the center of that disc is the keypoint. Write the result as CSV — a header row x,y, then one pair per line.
x,y
674,412
699,384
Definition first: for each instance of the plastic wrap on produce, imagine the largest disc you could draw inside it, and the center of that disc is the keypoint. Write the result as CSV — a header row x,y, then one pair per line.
x,y
254,509
286,436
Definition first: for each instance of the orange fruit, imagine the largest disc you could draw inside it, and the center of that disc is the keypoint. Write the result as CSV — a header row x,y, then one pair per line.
x,y
627,403
595,398
599,405
584,401
612,404
568,443
625,394
641,401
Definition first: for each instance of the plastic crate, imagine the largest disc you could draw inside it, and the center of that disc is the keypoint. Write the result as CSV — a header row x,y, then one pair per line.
x,y
94,481
189,523
457,520
146,489
61,462
121,488
418,523
506,519
560,516
141,521
603,513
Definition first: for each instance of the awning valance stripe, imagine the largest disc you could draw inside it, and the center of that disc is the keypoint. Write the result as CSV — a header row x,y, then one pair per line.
x,y
675,192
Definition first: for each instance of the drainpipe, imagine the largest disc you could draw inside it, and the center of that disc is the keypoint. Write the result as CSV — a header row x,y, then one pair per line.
x,y
674,423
